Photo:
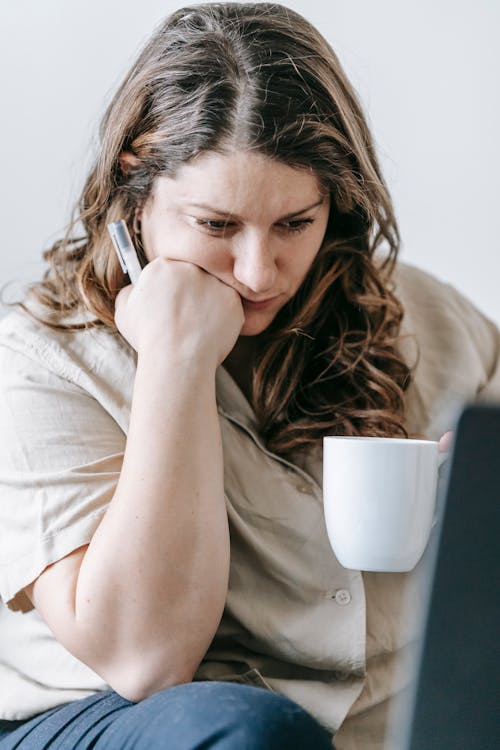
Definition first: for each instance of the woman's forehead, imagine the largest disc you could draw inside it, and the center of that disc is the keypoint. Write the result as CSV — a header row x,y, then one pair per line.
x,y
233,182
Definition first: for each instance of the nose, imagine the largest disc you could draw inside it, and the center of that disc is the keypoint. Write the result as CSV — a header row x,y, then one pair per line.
x,y
254,265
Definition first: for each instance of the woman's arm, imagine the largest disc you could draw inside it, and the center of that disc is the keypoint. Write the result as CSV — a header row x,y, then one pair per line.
x,y
142,602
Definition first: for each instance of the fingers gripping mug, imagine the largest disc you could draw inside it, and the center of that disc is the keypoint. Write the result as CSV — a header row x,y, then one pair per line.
x,y
379,500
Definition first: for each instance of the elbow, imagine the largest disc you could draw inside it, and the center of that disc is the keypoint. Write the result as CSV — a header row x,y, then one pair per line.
x,y
136,682
137,691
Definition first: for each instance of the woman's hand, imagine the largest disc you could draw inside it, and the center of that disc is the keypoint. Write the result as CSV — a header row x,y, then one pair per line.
x,y
177,307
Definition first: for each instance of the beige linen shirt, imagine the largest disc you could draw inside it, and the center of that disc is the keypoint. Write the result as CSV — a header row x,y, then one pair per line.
x,y
336,641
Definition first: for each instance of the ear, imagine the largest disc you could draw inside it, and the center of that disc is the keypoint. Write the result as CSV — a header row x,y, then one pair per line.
x,y
128,161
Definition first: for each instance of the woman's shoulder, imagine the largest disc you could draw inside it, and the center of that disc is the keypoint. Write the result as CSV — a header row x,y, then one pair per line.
x,y
435,307
415,285
64,351
453,347
94,361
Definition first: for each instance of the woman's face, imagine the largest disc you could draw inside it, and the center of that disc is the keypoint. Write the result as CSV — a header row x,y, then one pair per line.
x,y
252,222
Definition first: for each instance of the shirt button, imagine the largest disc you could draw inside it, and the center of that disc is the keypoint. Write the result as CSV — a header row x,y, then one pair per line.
x,y
342,597
302,487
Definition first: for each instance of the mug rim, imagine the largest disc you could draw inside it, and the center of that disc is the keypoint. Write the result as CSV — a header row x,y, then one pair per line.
x,y
368,439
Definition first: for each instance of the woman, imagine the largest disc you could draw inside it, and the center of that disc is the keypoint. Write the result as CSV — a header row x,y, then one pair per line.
x,y
164,548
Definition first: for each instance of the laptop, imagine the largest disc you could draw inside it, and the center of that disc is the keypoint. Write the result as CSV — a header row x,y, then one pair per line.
x,y
455,701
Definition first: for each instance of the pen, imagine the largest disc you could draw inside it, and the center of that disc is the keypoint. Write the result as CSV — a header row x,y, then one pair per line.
x,y
125,249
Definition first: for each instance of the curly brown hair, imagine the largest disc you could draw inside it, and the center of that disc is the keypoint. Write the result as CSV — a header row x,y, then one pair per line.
x,y
256,76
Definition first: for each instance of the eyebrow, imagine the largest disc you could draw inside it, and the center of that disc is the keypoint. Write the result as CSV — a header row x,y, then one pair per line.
x,y
206,207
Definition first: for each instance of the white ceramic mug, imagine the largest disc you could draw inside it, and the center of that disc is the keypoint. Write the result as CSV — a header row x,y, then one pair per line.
x,y
379,500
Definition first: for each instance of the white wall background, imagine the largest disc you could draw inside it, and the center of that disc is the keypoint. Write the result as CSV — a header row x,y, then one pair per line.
x,y
426,72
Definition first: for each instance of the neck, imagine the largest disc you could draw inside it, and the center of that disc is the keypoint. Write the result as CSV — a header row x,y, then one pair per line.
x,y
239,363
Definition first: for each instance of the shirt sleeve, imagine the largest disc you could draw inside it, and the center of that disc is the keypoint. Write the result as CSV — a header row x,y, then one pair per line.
x,y
60,459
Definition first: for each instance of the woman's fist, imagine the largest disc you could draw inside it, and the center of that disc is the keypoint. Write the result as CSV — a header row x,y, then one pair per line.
x,y
177,307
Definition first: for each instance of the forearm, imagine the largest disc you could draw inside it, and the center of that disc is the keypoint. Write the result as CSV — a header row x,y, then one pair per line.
x,y
153,582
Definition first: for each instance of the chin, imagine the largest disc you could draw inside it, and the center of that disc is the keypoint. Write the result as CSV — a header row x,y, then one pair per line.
x,y
255,324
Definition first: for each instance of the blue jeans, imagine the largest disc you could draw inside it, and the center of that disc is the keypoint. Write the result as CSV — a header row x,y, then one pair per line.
x,y
193,716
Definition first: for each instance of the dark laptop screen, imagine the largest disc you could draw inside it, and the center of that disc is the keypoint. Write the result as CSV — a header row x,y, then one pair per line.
x,y
457,698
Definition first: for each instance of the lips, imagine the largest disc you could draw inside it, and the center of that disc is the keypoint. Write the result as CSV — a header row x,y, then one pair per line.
x,y
258,304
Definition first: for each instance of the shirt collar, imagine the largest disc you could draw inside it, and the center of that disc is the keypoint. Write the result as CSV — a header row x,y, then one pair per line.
x,y
231,401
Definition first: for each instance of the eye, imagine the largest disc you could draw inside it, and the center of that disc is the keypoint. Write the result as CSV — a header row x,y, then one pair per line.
x,y
297,225
214,226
